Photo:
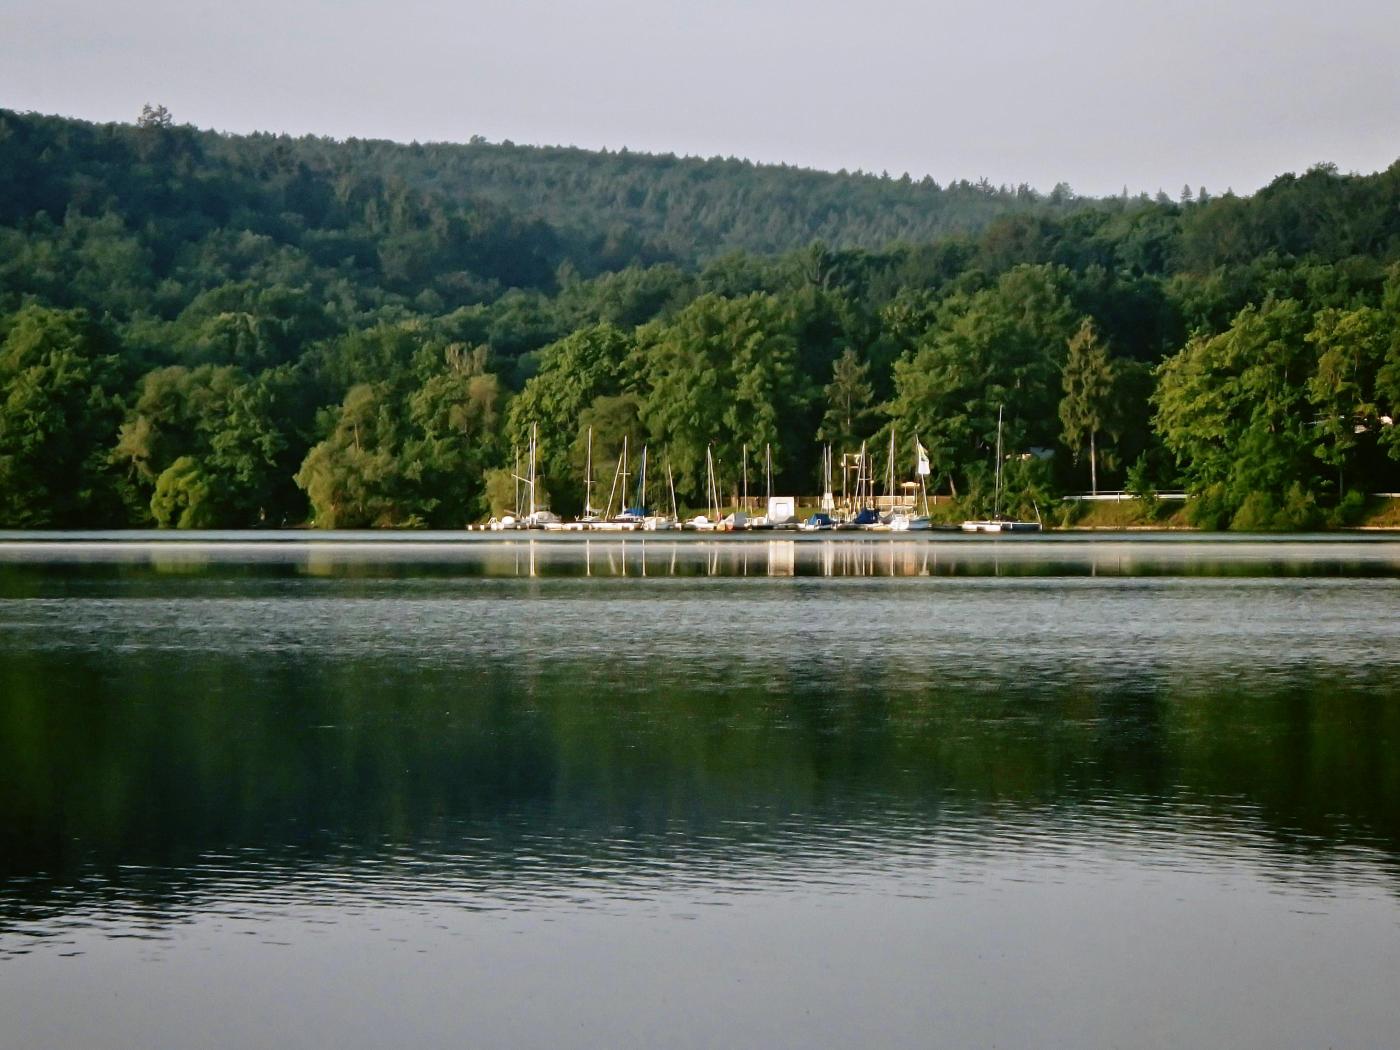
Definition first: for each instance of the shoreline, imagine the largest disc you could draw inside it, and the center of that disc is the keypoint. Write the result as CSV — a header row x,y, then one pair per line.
x,y
34,539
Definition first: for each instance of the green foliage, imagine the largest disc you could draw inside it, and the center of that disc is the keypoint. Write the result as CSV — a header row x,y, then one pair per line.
x,y
301,322
501,492
352,477
1004,345
1088,381
722,376
222,427
1138,484
848,403
408,457
575,373
184,497
58,383
1271,416
1265,512
1234,410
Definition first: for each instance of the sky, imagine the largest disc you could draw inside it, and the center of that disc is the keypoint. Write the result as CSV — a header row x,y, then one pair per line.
x,y
1095,93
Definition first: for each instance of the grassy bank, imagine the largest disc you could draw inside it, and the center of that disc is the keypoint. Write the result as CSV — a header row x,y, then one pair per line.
x,y
1380,513
1128,514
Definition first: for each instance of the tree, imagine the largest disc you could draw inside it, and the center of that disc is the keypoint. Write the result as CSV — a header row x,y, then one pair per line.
x,y
184,497
848,398
409,456
1003,345
1351,347
221,427
721,376
610,420
154,117
352,478
454,422
1234,411
1088,382
58,412
577,371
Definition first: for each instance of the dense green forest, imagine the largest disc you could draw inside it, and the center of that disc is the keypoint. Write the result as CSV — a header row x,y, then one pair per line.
x,y
208,330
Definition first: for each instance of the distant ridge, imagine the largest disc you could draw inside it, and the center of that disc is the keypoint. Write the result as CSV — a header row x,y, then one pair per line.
x,y
648,207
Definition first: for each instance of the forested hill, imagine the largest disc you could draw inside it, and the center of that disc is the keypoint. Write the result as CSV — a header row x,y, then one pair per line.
x,y
199,329
607,208
692,209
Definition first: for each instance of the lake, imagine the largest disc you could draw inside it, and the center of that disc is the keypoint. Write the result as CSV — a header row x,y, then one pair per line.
x,y
369,790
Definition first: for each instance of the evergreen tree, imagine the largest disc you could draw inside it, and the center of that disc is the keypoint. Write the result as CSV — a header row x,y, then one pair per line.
x,y
848,399
1088,382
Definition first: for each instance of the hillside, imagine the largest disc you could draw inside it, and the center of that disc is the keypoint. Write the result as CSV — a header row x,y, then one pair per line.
x,y
624,206
239,330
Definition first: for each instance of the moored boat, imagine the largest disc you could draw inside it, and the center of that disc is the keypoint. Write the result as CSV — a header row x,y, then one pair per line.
x,y
999,522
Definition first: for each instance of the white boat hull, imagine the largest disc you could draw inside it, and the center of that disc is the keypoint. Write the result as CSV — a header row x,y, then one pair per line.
x,y
1001,526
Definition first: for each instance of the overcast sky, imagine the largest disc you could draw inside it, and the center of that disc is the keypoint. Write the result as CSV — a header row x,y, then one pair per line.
x,y
1096,93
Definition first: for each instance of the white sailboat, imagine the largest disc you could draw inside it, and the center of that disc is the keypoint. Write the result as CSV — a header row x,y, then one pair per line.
x,y
622,521
709,521
998,523
538,517
739,520
664,522
862,512
591,515
912,521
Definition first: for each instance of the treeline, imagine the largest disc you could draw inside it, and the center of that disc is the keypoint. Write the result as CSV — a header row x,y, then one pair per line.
x,y
204,330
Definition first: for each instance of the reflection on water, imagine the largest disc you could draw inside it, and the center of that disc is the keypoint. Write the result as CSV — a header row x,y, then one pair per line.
x,y
701,792
680,554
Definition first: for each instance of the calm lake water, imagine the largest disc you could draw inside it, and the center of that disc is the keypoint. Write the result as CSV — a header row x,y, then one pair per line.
x,y
431,790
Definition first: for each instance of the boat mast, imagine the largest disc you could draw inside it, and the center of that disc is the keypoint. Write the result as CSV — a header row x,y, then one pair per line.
x,y
746,477
622,480
828,501
619,473
515,450
711,492
588,479
858,489
671,484
921,468
768,474
889,489
642,482
996,498
532,471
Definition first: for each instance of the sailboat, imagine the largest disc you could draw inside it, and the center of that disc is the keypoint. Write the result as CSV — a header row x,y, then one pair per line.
x,y
624,520
662,522
865,515
591,515
638,511
511,520
739,519
709,521
884,522
764,520
538,517
904,520
998,523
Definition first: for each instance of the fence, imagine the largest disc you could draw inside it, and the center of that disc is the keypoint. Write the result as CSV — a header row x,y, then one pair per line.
x,y
1121,497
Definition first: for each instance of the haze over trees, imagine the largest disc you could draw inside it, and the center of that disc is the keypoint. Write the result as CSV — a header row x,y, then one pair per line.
x,y
203,330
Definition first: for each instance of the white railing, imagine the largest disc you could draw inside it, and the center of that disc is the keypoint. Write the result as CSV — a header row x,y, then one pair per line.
x,y
1126,497
1121,497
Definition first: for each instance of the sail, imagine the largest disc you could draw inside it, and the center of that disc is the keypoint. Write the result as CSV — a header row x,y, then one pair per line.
x,y
923,468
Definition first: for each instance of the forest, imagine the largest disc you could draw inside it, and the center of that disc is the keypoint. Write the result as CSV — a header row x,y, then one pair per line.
x,y
205,330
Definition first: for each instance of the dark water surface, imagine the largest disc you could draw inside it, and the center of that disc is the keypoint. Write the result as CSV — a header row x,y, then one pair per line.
x,y
715,792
